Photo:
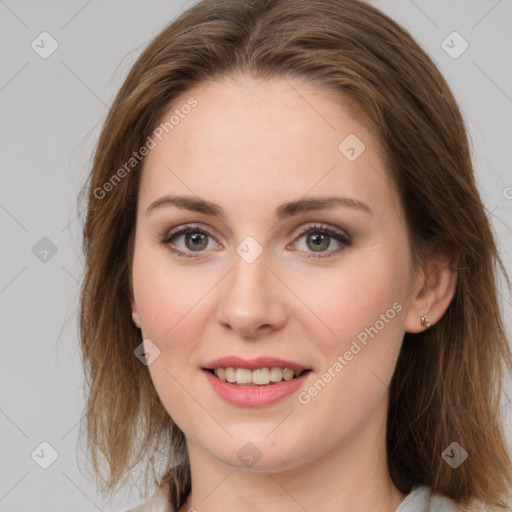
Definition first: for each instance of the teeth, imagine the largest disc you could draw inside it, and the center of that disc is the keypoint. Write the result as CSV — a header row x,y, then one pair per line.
x,y
288,374
276,374
243,376
259,377
230,375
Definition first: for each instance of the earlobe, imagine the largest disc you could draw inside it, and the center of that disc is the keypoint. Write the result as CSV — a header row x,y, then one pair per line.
x,y
433,294
136,319
135,314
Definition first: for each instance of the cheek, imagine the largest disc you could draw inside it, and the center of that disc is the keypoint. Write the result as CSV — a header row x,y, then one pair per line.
x,y
363,307
173,313
347,300
167,300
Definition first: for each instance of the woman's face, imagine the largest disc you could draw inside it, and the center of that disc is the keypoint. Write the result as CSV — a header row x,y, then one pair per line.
x,y
297,257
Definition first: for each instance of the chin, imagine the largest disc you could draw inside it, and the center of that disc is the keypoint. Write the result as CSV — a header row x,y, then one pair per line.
x,y
257,451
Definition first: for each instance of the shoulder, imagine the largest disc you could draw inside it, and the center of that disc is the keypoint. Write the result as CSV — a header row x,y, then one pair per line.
x,y
420,499
159,502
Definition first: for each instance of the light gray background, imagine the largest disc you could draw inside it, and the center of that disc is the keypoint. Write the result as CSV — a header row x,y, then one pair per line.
x,y
51,112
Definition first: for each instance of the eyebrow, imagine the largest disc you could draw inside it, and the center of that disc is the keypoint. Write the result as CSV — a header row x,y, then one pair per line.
x,y
285,210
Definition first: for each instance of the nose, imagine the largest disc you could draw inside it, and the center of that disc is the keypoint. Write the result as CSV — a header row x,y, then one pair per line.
x,y
252,302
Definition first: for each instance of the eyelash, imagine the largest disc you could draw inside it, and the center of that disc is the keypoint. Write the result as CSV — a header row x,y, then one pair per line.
x,y
344,239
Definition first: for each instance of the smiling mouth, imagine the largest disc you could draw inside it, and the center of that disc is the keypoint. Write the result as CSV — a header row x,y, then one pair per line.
x,y
255,378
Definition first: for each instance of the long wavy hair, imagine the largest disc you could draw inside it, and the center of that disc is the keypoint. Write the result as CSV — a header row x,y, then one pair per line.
x,y
448,379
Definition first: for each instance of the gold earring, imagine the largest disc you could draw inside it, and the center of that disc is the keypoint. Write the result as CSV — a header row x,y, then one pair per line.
x,y
425,322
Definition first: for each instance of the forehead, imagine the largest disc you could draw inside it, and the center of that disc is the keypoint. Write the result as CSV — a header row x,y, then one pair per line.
x,y
248,139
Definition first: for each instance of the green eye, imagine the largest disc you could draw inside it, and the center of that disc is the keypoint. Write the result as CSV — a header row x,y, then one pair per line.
x,y
319,242
315,241
196,241
319,239
185,240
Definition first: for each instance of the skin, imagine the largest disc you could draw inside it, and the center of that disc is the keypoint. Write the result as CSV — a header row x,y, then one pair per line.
x,y
250,146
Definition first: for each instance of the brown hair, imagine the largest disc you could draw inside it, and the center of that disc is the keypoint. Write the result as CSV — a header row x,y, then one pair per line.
x,y
448,379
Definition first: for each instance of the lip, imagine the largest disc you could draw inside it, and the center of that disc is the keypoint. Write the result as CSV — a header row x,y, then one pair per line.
x,y
253,364
255,396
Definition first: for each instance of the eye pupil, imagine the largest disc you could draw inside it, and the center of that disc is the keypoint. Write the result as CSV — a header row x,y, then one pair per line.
x,y
320,241
198,241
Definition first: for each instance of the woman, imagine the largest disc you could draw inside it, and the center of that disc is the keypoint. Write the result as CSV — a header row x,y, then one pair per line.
x,y
290,295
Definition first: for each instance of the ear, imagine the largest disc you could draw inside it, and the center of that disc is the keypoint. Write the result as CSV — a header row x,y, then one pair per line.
x,y
135,313
433,291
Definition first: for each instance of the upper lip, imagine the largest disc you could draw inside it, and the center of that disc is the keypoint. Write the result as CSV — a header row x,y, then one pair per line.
x,y
253,364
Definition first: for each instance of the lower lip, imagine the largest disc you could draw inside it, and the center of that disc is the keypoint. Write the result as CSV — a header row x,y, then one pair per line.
x,y
255,396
